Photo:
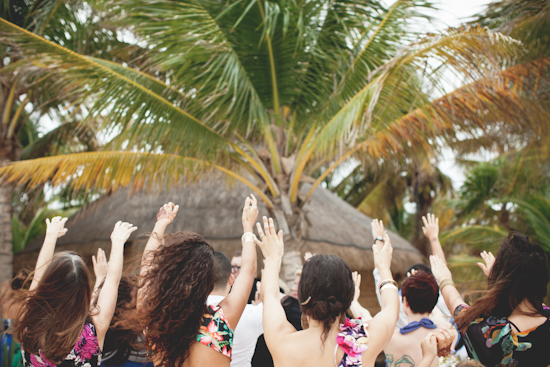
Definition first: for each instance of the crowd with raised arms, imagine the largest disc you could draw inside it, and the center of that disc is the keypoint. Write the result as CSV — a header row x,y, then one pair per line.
x,y
189,305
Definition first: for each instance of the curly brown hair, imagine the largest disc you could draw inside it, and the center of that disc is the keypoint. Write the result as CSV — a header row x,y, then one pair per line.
x,y
54,313
178,282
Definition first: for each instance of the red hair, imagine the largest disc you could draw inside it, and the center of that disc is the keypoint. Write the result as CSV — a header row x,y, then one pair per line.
x,y
421,292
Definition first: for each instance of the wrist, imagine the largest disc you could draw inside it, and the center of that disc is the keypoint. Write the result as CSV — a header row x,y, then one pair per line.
x,y
274,259
385,274
162,223
248,229
117,242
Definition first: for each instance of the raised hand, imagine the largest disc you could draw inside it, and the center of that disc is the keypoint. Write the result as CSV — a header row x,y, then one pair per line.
x,y
100,264
377,228
56,227
429,347
357,281
271,243
444,342
250,213
382,256
122,232
167,213
439,269
489,260
431,226
308,255
412,272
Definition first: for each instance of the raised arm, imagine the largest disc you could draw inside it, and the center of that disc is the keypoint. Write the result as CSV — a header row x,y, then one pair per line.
x,y
165,216
54,230
443,275
233,305
381,327
356,309
100,271
431,230
106,300
276,325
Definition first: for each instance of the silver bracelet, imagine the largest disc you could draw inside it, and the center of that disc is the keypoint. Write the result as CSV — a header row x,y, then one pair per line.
x,y
248,237
389,285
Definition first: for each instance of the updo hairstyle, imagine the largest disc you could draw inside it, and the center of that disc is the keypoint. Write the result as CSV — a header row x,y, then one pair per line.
x,y
327,280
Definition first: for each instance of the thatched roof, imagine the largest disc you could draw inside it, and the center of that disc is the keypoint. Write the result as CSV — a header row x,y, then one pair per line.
x,y
213,210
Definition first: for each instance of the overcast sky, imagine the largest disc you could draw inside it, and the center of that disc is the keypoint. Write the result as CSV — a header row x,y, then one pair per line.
x,y
452,13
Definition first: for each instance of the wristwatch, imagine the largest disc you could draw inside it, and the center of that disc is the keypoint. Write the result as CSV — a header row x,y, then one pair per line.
x,y
379,238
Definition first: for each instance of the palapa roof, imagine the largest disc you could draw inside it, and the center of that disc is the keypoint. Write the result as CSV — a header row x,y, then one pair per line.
x,y
213,209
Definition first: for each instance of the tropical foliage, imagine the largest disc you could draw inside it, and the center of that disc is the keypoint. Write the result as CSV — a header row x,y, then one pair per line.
x,y
275,94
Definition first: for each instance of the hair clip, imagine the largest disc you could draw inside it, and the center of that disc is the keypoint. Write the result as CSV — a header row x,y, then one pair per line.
x,y
306,301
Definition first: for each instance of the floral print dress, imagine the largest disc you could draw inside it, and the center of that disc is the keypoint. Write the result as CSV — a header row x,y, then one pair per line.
x,y
215,331
86,352
352,339
495,342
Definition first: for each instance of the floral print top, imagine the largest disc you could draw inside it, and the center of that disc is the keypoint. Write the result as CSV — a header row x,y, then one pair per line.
x,y
86,352
215,331
494,342
353,339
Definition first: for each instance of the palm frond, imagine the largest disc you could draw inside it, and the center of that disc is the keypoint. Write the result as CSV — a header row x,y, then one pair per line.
x,y
129,104
480,237
111,170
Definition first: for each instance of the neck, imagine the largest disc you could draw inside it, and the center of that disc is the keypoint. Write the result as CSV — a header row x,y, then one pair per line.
x,y
525,307
417,316
318,327
218,292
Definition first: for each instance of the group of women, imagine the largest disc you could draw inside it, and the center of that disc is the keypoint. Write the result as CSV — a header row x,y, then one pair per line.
x,y
62,323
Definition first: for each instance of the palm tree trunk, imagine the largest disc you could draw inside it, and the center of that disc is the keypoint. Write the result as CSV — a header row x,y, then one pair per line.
x,y
6,255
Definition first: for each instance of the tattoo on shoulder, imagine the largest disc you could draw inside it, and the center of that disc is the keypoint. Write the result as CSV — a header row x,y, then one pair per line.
x,y
404,361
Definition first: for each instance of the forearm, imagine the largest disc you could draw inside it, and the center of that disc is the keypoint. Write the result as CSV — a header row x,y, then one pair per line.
x,y
152,245
452,297
116,261
45,256
389,298
249,260
270,278
95,293
436,248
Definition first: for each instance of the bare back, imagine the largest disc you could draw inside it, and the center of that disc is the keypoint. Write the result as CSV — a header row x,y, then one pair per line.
x,y
201,355
306,349
404,350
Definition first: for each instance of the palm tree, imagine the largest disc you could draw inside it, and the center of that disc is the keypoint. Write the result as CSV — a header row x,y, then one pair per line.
x,y
268,93
25,100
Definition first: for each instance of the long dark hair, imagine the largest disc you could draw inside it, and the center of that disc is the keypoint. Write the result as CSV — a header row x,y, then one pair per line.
x,y
179,280
327,280
54,313
520,273
122,340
